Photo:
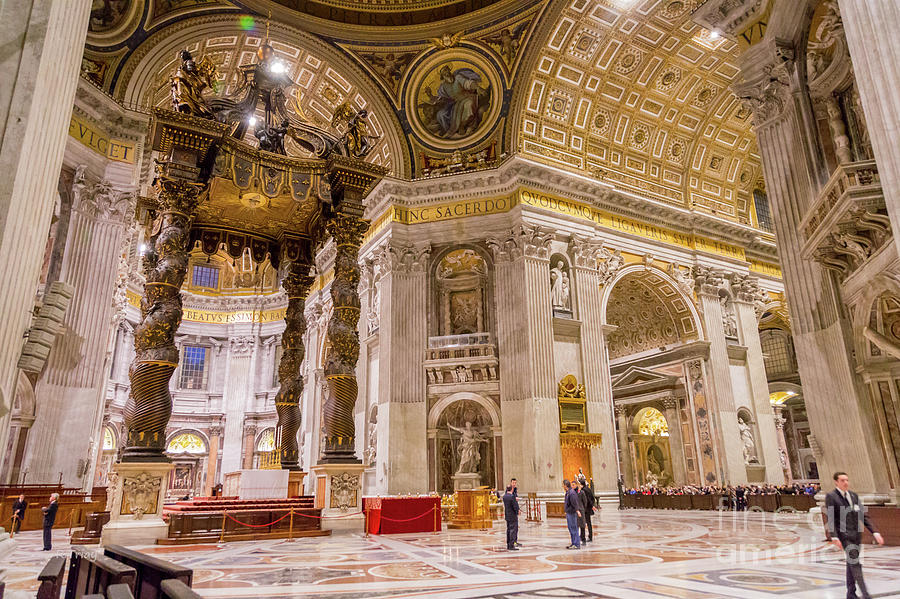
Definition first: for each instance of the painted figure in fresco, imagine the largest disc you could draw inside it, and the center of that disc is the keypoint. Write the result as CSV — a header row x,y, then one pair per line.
x,y
469,441
459,105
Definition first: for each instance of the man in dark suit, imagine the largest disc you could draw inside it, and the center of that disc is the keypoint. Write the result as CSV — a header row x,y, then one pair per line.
x,y
846,516
511,512
50,519
573,513
19,513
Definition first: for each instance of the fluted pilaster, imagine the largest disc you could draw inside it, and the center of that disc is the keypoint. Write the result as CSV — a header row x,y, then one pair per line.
x,y
767,442
527,386
595,364
402,340
724,416
70,393
41,59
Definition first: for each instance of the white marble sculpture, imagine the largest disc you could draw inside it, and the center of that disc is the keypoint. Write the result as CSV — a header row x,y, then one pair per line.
x,y
468,448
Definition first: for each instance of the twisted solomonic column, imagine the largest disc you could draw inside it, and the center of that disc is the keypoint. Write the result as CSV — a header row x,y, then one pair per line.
x,y
287,402
149,404
340,368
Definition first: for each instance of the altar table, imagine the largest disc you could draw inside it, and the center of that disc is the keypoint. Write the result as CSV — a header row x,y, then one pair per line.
x,y
391,515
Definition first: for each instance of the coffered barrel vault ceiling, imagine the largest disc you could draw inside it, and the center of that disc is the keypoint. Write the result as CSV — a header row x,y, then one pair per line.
x,y
637,94
629,91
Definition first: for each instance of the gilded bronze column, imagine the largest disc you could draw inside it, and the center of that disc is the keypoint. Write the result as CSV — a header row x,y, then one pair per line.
x,y
347,230
149,404
287,403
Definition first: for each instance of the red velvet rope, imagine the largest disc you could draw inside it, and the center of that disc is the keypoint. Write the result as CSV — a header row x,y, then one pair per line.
x,y
256,525
431,511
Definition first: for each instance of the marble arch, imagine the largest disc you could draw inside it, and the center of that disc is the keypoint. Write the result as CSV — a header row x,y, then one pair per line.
x,y
680,308
313,64
189,431
438,408
647,108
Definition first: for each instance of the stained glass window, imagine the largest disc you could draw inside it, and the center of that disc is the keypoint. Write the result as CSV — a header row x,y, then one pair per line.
x,y
205,276
653,424
186,443
266,440
193,367
109,440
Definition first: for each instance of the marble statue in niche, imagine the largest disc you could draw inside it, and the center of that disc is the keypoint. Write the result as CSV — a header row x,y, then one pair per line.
x,y
656,466
729,318
749,445
372,439
468,448
560,288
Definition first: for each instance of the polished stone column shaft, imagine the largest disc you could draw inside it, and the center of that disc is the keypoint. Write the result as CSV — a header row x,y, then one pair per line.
x,y
287,402
340,368
156,357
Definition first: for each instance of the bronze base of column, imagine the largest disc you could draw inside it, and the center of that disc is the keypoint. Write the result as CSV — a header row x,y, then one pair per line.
x,y
340,450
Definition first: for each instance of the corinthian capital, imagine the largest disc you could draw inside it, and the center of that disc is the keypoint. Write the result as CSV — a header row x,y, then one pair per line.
x,y
402,257
522,240
585,252
746,289
766,90
102,200
708,280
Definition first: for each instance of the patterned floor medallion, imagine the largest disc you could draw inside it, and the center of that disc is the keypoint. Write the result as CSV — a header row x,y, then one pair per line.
x,y
639,554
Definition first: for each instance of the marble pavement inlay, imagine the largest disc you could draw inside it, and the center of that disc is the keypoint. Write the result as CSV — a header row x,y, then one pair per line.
x,y
640,554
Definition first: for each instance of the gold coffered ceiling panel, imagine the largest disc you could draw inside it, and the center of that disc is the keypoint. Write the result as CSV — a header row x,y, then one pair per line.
x,y
635,93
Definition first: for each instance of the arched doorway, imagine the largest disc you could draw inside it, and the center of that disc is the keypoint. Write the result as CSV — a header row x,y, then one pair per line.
x,y
650,451
448,418
654,354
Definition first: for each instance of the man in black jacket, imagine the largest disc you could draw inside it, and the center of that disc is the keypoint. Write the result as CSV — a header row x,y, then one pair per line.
x,y
589,509
50,519
19,513
511,513
573,513
846,516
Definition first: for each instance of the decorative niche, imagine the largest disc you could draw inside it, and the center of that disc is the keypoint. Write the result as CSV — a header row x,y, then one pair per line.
x,y
461,282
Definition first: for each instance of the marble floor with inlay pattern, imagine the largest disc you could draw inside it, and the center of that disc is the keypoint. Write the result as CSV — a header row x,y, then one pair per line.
x,y
635,555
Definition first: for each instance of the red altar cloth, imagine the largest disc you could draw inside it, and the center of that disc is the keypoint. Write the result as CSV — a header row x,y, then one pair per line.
x,y
390,515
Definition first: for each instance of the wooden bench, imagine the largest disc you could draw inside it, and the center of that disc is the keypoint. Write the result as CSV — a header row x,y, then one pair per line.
x,y
175,589
93,573
151,571
51,578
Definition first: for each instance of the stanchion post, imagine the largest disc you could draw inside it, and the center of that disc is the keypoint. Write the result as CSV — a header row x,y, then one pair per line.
x,y
12,526
365,520
71,516
435,509
222,536
291,531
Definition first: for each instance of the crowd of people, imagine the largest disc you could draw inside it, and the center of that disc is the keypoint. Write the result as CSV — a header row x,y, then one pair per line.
x,y
730,490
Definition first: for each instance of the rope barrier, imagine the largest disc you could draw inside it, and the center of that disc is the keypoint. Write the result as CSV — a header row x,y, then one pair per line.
x,y
431,511
256,525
